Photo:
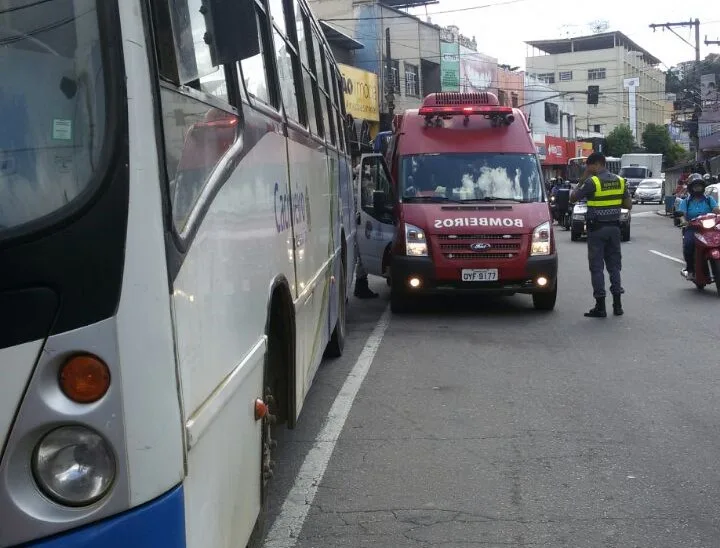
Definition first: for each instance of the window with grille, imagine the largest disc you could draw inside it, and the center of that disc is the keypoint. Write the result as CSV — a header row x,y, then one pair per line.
x,y
596,74
412,83
547,77
565,76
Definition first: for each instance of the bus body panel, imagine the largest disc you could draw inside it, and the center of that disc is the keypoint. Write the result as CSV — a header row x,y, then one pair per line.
x,y
16,366
144,324
26,514
157,523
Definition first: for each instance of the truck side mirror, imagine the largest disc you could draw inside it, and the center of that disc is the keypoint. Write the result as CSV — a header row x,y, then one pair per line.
x,y
232,30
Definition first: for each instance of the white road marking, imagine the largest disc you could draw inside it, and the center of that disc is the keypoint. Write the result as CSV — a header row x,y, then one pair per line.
x,y
294,511
669,257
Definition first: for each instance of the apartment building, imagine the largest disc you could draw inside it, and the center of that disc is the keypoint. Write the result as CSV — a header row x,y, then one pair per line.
x,y
414,48
607,60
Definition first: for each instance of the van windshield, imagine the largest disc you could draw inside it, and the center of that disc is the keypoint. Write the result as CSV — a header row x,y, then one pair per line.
x,y
471,177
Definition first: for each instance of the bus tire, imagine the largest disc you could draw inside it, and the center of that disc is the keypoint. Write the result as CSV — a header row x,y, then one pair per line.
x,y
336,346
276,395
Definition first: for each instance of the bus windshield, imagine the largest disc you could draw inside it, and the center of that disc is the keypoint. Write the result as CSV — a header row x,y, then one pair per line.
x,y
52,106
471,177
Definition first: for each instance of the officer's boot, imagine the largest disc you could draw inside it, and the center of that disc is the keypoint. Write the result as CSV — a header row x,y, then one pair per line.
x,y
362,290
599,310
617,306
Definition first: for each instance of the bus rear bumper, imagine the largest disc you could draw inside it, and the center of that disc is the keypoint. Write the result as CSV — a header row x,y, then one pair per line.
x,y
160,522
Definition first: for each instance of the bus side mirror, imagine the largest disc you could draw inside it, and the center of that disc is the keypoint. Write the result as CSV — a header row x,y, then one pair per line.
x,y
232,30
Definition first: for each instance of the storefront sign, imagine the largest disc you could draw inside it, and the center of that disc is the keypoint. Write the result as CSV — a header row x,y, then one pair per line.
x,y
556,150
360,88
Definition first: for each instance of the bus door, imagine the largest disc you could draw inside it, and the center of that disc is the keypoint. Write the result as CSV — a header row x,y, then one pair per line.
x,y
375,219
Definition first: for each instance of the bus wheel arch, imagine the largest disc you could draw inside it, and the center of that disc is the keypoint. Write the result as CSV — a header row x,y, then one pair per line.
x,y
280,356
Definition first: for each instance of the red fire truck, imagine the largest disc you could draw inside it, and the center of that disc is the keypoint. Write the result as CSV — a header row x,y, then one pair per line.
x,y
461,208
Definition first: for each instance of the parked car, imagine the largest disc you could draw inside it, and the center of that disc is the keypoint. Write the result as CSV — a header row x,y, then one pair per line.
x,y
650,190
578,227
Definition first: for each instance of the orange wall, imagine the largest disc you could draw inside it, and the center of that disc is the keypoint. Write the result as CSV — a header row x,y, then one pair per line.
x,y
512,82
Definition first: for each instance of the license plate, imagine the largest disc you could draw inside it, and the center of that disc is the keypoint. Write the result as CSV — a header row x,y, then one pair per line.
x,y
479,274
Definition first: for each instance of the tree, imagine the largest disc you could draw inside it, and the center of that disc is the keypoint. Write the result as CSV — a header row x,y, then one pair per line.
x,y
676,154
656,139
620,141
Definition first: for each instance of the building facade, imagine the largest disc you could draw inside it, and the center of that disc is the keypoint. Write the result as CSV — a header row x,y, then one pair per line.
x,y
609,61
414,64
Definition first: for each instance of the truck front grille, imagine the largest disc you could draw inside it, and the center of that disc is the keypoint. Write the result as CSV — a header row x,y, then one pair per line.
x,y
456,247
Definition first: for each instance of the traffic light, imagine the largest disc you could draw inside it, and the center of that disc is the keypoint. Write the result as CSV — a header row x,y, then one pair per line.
x,y
593,95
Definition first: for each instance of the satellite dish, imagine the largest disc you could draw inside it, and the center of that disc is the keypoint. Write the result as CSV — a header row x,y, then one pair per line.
x,y
599,26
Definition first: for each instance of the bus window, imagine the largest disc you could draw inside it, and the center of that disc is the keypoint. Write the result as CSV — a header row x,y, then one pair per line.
x,y
277,14
254,69
283,52
52,107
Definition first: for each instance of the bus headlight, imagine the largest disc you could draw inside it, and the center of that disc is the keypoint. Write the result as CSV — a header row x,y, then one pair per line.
x,y
541,240
74,466
415,241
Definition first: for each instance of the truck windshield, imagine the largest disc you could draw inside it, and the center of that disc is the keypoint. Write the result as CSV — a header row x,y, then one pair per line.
x,y
471,177
52,106
633,172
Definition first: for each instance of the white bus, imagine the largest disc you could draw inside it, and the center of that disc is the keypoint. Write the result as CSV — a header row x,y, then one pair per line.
x,y
576,167
176,247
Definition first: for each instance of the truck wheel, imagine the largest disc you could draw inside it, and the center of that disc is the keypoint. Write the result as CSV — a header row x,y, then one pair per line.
x,y
574,236
625,236
545,300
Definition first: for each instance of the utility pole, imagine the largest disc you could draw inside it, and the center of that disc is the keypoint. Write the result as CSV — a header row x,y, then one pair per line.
x,y
390,87
696,96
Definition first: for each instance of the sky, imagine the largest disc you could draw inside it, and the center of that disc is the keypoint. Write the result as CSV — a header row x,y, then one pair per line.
x,y
502,26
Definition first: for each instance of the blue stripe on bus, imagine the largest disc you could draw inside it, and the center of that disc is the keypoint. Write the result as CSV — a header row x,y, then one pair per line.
x,y
158,523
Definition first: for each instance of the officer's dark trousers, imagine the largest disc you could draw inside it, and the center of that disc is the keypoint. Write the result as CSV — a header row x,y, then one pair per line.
x,y
604,251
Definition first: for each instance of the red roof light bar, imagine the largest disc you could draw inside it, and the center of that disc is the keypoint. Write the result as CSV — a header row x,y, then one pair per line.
x,y
464,110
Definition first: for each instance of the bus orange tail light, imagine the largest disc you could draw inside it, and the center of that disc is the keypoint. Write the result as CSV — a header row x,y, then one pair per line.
x,y
84,378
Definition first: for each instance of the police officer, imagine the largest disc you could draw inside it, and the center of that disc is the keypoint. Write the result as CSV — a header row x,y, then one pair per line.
x,y
606,194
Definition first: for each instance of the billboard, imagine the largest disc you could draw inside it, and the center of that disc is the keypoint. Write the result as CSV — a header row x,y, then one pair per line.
x,y
478,72
709,122
449,66
360,88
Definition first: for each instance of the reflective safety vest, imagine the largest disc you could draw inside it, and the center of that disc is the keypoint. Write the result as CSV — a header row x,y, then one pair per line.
x,y
608,194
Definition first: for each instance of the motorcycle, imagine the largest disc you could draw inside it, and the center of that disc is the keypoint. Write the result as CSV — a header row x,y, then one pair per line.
x,y
707,250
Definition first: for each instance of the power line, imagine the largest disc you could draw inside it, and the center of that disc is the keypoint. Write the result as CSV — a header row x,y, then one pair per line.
x,y
372,18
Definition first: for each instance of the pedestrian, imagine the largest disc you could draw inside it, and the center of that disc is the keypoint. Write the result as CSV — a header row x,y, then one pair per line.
x,y
606,195
362,287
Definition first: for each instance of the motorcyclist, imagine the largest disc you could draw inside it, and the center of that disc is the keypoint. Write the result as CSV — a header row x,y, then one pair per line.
x,y
694,205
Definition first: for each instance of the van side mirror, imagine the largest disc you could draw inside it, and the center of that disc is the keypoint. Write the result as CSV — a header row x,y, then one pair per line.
x,y
232,30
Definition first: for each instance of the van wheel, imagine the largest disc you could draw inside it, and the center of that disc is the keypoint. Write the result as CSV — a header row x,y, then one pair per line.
x,y
625,235
545,300
336,346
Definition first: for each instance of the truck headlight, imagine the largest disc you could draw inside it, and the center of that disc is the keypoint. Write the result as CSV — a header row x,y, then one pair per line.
x,y
624,214
541,240
415,241
74,466
579,217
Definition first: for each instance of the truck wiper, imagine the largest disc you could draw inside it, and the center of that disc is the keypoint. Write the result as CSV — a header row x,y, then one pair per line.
x,y
427,198
495,199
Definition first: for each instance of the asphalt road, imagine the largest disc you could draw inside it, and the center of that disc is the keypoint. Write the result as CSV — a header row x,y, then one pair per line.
x,y
496,425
